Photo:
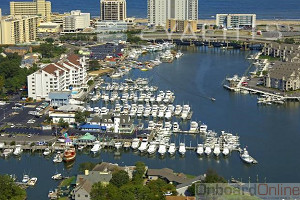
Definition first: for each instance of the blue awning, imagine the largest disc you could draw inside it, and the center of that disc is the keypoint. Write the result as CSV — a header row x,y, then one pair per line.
x,y
90,126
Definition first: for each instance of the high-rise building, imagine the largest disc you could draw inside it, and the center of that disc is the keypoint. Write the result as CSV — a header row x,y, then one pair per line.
x,y
76,21
159,11
18,29
236,20
41,8
113,10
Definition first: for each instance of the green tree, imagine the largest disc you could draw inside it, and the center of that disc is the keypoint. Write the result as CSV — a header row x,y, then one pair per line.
x,y
213,177
90,82
49,40
62,123
102,192
9,190
139,172
86,166
119,178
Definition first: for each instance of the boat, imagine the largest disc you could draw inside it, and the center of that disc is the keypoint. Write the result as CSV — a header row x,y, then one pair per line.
x,y
182,149
127,145
57,176
69,154
135,143
225,151
178,109
194,127
18,150
47,152
162,149
152,148
178,54
25,178
217,150
175,127
244,155
118,145
7,152
200,149
172,149
207,150
144,145
32,181
57,158
96,148
80,148
203,128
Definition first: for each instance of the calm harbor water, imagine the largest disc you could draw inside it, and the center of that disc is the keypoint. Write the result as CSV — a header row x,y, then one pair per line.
x,y
266,9
270,132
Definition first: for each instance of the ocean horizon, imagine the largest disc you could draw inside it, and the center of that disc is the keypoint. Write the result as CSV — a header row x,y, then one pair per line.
x,y
266,9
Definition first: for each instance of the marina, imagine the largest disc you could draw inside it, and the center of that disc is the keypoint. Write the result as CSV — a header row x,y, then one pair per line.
x,y
193,93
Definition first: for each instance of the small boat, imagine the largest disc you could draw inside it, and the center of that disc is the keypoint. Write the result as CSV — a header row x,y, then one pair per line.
x,y
194,127
118,145
80,148
203,128
57,158
135,143
69,155
217,150
18,150
57,176
144,145
47,152
96,148
7,152
175,127
25,178
213,99
32,181
200,149
162,149
182,149
172,149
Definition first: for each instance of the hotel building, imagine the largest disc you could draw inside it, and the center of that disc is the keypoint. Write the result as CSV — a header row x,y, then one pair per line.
x,y
113,10
236,20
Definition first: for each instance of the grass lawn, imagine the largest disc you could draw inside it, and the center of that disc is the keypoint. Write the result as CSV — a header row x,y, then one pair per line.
x,y
67,182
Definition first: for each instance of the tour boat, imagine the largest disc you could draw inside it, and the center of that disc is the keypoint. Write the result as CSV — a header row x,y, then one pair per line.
x,y
69,154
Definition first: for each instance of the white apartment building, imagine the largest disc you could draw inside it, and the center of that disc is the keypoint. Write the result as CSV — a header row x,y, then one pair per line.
x,y
37,7
76,21
159,11
113,10
236,20
60,76
18,29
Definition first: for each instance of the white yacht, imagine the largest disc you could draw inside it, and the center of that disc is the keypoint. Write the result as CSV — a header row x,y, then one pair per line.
x,y
104,111
135,143
161,114
182,149
194,127
18,150
32,181
200,149
246,157
144,145
96,148
225,151
118,145
151,125
46,152
178,110
175,127
168,114
203,128
7,152
168,126
217,150
172,149
152,148
207,150
162,149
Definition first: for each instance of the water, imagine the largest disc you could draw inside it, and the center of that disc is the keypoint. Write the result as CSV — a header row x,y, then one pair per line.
x,y
266,9
270,132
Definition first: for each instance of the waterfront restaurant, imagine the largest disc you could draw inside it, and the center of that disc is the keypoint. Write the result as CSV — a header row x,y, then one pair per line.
x,y
85,139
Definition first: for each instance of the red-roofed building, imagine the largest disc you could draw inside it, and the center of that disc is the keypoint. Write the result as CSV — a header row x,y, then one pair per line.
x,y
68,72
